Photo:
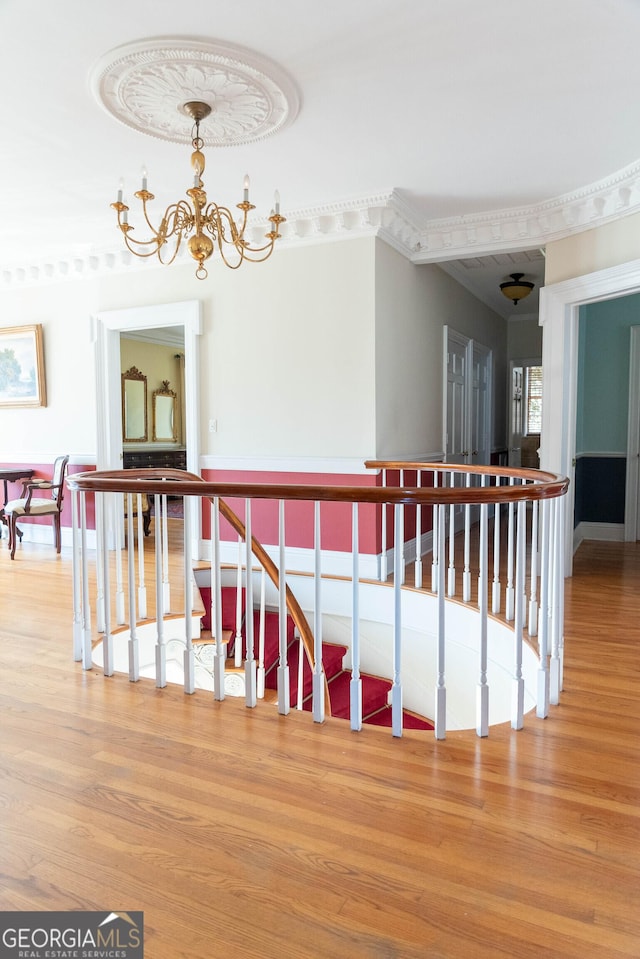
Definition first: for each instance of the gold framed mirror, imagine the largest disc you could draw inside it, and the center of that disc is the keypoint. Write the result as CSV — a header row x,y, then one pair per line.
x,y
164,414
134,406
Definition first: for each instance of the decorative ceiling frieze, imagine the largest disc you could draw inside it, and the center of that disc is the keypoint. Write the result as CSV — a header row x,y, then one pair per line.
x,y
390,217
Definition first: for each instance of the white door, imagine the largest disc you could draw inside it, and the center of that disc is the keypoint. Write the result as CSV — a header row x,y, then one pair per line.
x,y
481,405
516,415
456,400
467,399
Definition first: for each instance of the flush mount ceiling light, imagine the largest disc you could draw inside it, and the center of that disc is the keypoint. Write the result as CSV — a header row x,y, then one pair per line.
x,y
516,288
152,86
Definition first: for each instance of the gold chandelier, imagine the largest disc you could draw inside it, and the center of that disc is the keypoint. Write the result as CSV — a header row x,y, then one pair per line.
x,y
205,225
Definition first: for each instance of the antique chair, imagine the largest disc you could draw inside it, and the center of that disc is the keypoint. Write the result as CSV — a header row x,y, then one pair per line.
x,y
30,505
145,511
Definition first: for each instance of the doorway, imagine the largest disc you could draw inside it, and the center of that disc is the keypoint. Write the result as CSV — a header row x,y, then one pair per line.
x,y
467,380
525,412
108,328
632,485
559,316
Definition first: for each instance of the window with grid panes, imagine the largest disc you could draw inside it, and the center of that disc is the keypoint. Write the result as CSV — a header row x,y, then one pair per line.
x,y
533,387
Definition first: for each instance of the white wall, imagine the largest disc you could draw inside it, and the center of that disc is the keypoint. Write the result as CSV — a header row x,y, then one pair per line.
x,y
328,350
67,423
286,355
287,358
583,253
413,304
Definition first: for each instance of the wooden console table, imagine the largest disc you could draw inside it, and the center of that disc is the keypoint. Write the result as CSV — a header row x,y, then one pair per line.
x,y
13,475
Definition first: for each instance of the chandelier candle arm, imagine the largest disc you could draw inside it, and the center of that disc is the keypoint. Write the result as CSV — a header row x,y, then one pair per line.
x,y
203,226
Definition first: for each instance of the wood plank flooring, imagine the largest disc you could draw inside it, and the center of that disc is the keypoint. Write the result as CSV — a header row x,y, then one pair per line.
x,y
241,833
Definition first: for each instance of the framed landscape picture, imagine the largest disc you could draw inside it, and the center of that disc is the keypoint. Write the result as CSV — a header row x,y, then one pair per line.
x,y
22,366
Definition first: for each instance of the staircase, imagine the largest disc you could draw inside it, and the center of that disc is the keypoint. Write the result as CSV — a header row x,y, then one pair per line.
x,y
375,709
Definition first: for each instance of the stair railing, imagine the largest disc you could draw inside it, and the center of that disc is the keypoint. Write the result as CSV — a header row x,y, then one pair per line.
x,y
530,500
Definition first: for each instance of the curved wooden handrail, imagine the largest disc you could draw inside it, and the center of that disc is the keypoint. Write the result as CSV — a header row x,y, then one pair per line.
x,y
537,485
540,485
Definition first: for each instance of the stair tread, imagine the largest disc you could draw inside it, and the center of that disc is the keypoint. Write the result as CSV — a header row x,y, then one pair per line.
x,y
375,707
374,694
384,717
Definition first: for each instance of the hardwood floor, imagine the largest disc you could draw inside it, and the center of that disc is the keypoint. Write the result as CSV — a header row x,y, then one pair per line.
x,y
241,833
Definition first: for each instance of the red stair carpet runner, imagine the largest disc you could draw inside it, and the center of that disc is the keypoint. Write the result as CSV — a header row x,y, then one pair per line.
x,y
375,709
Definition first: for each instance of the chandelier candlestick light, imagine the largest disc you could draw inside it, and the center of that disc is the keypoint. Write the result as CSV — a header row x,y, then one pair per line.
x,y
202,225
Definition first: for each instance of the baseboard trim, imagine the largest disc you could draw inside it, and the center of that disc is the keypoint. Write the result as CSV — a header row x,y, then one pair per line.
x,y
605,532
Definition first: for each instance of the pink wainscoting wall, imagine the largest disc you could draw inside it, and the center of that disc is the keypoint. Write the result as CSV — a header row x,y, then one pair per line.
x,y
426,519
336,517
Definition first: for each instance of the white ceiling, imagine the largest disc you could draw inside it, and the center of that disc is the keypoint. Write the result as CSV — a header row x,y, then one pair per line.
x,y
462,108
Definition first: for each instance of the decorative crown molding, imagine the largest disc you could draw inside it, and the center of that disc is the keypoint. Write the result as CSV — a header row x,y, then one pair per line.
x,y
526,227
145,85
389,216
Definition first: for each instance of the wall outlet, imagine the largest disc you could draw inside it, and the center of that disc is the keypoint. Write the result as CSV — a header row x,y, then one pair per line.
x,y
213,426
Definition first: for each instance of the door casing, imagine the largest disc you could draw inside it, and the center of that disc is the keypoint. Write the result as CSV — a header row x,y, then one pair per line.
x,y
107,327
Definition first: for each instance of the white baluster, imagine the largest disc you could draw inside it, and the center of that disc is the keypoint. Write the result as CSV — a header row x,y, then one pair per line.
x,y
418,566
560,588
238,641
533,592
509,596
542,699
161,649
250,662
107,640
86,606
261,628
118,500
355,686
166,588
134,661
451,582
75,572
482,693
435,512
142,589
397,528
100,508
318,698
396,687
517,705
440,723
466,572
216,600
383,532
495,591
189,658
556,603
284,692
301,655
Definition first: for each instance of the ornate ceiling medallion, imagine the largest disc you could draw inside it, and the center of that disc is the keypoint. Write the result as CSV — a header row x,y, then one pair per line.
x,y
145,85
